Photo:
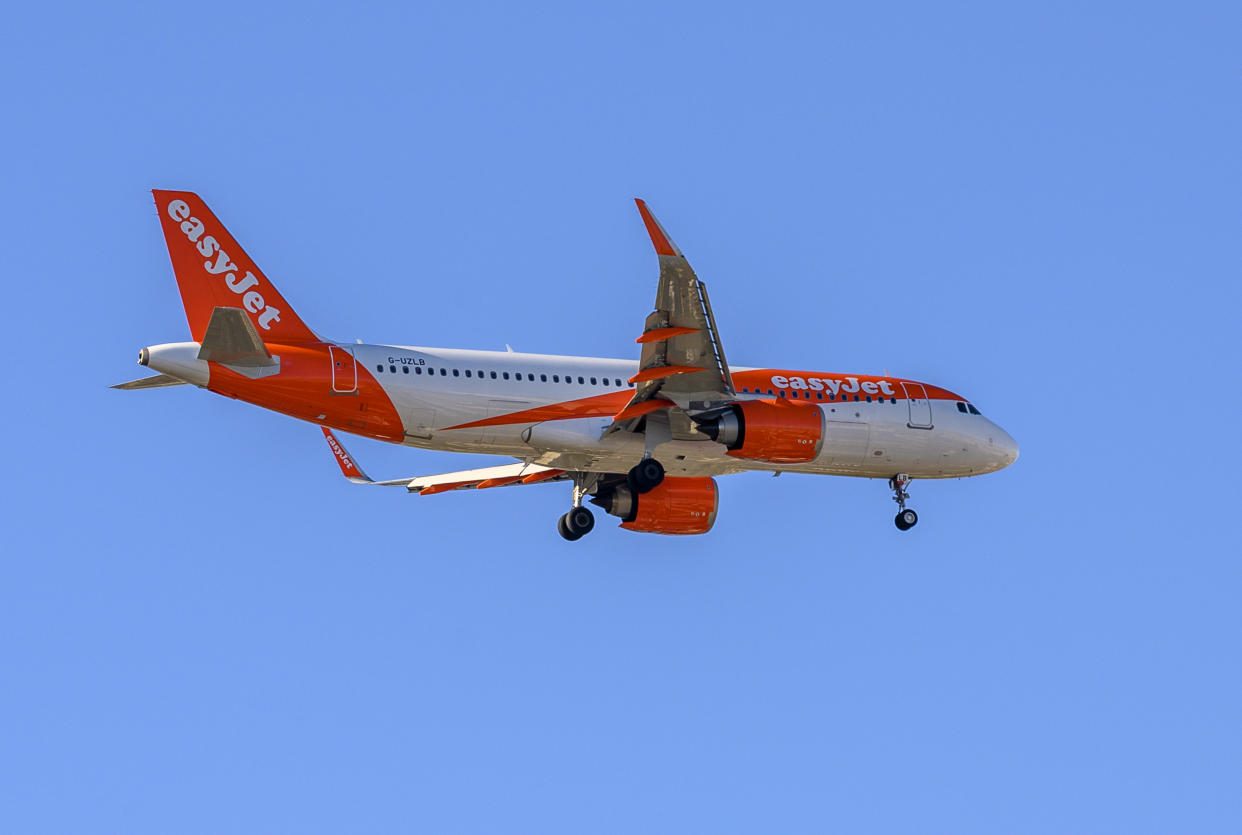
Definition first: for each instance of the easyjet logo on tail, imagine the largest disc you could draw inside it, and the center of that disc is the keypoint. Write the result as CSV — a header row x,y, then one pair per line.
x,y
209,247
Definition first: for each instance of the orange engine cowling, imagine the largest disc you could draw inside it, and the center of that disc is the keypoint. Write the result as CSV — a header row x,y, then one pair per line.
x,y
675,506
778,432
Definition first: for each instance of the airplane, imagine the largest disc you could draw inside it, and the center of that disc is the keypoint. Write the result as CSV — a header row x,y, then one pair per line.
x,y
644,439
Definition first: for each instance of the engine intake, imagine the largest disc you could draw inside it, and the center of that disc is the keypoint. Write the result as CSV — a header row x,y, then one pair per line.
x,y
769,431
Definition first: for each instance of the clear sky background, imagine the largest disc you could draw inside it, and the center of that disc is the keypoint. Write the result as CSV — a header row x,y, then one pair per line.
x,y
203,628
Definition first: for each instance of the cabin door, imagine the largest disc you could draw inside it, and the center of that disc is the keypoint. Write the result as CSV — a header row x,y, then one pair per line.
x,y
920,406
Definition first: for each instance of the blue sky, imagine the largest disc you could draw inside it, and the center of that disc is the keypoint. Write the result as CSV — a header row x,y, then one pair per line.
x,y
205,629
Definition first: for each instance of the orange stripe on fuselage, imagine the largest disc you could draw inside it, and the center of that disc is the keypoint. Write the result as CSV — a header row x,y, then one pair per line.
x,y
603,405
303,389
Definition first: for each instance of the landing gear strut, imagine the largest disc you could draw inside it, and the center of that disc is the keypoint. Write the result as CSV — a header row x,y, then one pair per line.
x,y
646,475
906,518
579,521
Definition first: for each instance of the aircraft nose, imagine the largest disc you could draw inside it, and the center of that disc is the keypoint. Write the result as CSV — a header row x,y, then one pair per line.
x,y
1005,445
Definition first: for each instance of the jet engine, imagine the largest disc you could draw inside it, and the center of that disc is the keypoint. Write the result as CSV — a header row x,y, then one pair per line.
x,y
771,431
675,506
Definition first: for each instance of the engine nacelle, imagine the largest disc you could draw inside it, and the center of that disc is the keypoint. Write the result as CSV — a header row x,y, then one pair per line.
x,y
675,506
769,431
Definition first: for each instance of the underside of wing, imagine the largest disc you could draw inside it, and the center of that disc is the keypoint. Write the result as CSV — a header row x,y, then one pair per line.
x,y
505,475
501,476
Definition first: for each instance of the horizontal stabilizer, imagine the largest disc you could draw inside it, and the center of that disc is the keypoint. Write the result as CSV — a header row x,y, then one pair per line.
x,y
159,381
231,339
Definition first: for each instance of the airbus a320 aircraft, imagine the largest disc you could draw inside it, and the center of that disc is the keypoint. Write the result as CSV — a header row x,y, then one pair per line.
x,y
643,439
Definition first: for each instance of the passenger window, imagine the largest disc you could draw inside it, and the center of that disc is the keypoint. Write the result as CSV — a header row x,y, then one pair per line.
x,y
418,369
961,407
556,378
581,381
856,398
443,373
543,378
868,398
618,381
819,395
405,369
467,372
594,382
782,392
505,375
770,392
456,373
379,368
605,381
973,410
392,369
493,375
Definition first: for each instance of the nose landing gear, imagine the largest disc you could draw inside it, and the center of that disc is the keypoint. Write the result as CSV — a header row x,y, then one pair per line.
x,y
906,518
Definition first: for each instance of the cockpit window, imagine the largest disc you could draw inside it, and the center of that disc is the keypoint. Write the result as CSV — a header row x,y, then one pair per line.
x,y
973,410
961,407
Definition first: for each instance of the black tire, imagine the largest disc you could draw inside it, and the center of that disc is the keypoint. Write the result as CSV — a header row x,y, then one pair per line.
x,y
646,475
562,525
580,521
906,519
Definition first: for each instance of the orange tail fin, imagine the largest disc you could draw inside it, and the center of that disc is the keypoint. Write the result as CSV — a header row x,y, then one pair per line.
x,y
214,271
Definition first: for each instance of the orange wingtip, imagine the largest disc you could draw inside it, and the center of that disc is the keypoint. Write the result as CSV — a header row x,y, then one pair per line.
x,y
659,238
644,407
444,488
660,334
659,372
343,459
541,476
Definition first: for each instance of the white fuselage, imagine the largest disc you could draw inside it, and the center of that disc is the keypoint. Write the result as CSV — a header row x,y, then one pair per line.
x,y
434,389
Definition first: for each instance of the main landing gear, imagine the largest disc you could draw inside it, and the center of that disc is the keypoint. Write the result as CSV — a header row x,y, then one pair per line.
x,y
579,521
645,476
906,518
576,524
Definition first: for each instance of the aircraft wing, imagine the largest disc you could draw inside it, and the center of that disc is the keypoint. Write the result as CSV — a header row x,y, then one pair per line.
x,y
502,476
681,362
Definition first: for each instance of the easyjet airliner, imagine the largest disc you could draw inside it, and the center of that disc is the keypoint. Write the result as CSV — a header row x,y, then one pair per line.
x,y
644,439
